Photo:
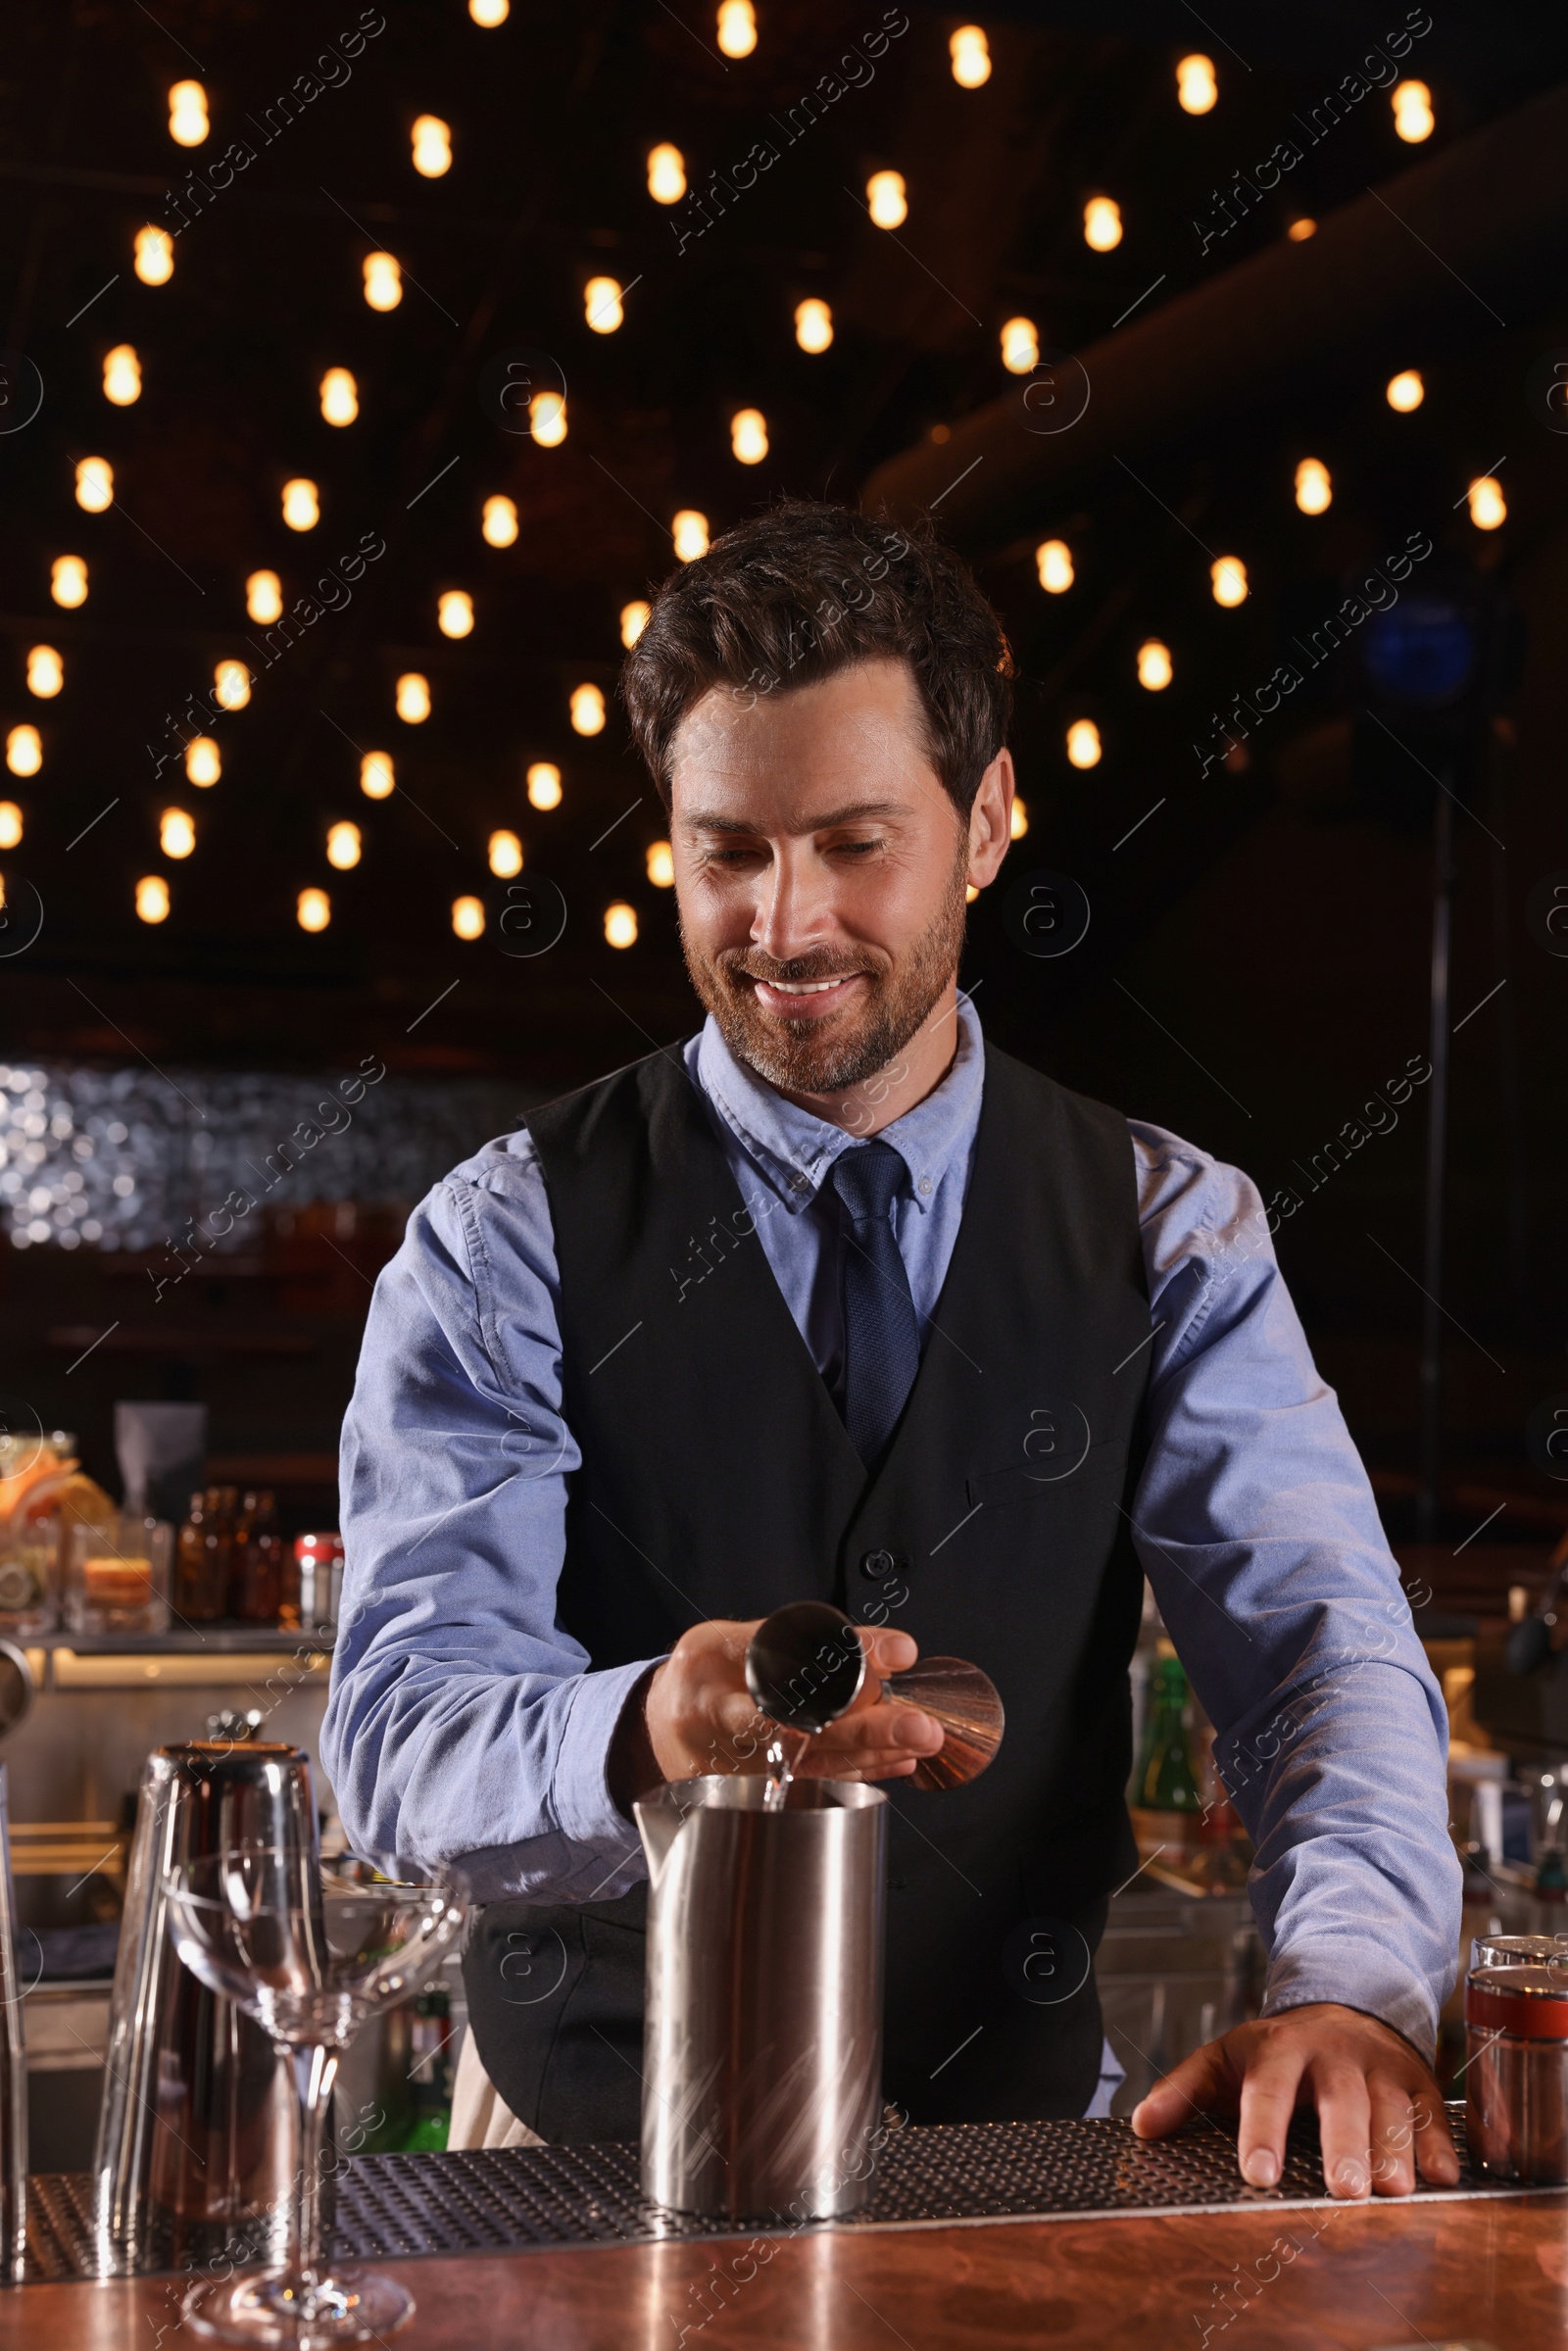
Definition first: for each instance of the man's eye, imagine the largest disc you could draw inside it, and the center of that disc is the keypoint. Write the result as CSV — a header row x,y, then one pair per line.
x,y
855,849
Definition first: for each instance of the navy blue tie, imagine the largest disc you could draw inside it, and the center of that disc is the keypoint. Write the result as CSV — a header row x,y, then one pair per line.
x,y
881,1336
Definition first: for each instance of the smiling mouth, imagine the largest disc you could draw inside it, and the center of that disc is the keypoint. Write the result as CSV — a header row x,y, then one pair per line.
x,y
808,999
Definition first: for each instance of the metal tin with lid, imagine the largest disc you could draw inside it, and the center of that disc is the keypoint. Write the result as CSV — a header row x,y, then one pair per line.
x,y
1516,2058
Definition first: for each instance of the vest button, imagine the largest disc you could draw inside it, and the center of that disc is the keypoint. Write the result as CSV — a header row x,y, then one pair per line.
x,y
877,1566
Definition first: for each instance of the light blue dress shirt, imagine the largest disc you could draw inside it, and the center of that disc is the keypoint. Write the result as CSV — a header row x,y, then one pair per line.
x,y
464,1724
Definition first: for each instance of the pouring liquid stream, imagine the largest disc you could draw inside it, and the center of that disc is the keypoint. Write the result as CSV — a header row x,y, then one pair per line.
x,y
781,1763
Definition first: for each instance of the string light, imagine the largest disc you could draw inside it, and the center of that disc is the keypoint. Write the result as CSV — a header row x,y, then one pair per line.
x,y
1196,87
95,484
412,698
544,785
375,775
1488,506
67,581
505,853
620,924
432,146
634,618
499,526
176,833
340,396
187,114
1300,229
547,419
813,324
1154,669
203,762
1083,743
152,898
1314,490
587,710
24,751
264,597
121,375
154,250
343,845
886,198
489,13
1102,224
970,53
231,684
313,910
1020,346
1405,391
1054,560
667,174
689,530
1413,118
1018,823
46,673
737,27
467,917
748,435
454,613
1228,579
660,864
302,507
9,828
383,281
602,305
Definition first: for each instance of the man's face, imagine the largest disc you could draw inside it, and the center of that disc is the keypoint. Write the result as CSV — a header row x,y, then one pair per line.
x,y
820,869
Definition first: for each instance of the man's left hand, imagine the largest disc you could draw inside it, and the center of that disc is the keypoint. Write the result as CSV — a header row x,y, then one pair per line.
x,y
1380,2111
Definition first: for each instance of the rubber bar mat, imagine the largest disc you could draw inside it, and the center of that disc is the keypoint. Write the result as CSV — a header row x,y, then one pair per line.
x,y
514,2199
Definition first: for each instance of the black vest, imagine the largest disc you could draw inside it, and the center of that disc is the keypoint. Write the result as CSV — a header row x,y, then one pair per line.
x,y
717,1479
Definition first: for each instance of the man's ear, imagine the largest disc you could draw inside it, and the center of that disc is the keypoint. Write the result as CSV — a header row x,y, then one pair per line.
x,y
990,821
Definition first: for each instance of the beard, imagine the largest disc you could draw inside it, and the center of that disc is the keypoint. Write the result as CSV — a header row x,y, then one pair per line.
x,y
830,1054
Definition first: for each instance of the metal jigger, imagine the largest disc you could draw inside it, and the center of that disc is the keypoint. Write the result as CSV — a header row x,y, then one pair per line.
x,y
805,1665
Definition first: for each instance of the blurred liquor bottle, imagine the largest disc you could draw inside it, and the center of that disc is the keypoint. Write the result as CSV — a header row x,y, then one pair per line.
x,y
432,2073
256,1568
201,1564
1164,1800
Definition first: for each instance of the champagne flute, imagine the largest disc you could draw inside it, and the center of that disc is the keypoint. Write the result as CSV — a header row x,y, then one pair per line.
x,y
311,1952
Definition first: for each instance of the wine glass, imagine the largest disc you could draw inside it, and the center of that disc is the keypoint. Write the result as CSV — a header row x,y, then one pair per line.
x,y
311,1952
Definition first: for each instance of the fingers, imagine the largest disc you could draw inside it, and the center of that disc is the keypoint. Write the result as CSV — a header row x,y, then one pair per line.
x,y
873,1743
1436,2158
1393,2143
1345,2119
1268,2097
1202,2083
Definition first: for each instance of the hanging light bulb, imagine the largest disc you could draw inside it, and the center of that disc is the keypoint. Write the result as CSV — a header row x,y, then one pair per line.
x,y
412,698
24,751
152,898
1196,87
813,324
1405,391
231,684
489,13
1228,579
383,281
602,305
667,174
1413,118
499,525
634,618
689,531
454,613
121,375
737,27
343,845
46,673
340,396
1314,490
1017,825
375,774
1488,506
887,200
970,53
203,763
67,581
1020,346
1300,229
313,910
587,710
187,114
544,785
264,597
95,484
1102,224
748,435
176,833
301,508
467,917
9,830
505,853
432,146
547,419
1154,669
660,864
1083,743
1054,560
620,924
154,250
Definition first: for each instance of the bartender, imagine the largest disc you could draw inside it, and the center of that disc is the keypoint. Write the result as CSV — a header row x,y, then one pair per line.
x,y
837,1301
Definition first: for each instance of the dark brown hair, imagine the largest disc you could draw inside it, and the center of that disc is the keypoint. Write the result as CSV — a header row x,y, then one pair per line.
x,y
807,589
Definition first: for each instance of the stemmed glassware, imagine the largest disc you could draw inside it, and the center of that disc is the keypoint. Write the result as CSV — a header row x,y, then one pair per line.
x,y
311,1952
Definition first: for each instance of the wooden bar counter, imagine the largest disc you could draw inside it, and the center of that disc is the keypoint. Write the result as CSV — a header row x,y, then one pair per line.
x,y
1490,2273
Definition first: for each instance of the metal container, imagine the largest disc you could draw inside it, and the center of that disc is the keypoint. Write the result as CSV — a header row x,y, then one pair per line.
x,y
763,2031
1516,2058
13,2068
198,2134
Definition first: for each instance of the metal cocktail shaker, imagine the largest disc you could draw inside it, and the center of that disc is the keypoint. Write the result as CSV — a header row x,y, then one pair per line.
x,y
197,2137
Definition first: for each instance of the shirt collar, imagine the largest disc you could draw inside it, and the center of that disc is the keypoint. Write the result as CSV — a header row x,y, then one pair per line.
x,y
794,1151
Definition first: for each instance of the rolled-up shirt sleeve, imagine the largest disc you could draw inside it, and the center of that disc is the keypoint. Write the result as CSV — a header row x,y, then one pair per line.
x,y
464,1723
1256,1526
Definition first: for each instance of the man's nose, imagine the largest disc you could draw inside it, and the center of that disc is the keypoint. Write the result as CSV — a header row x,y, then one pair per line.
x,y
792,914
